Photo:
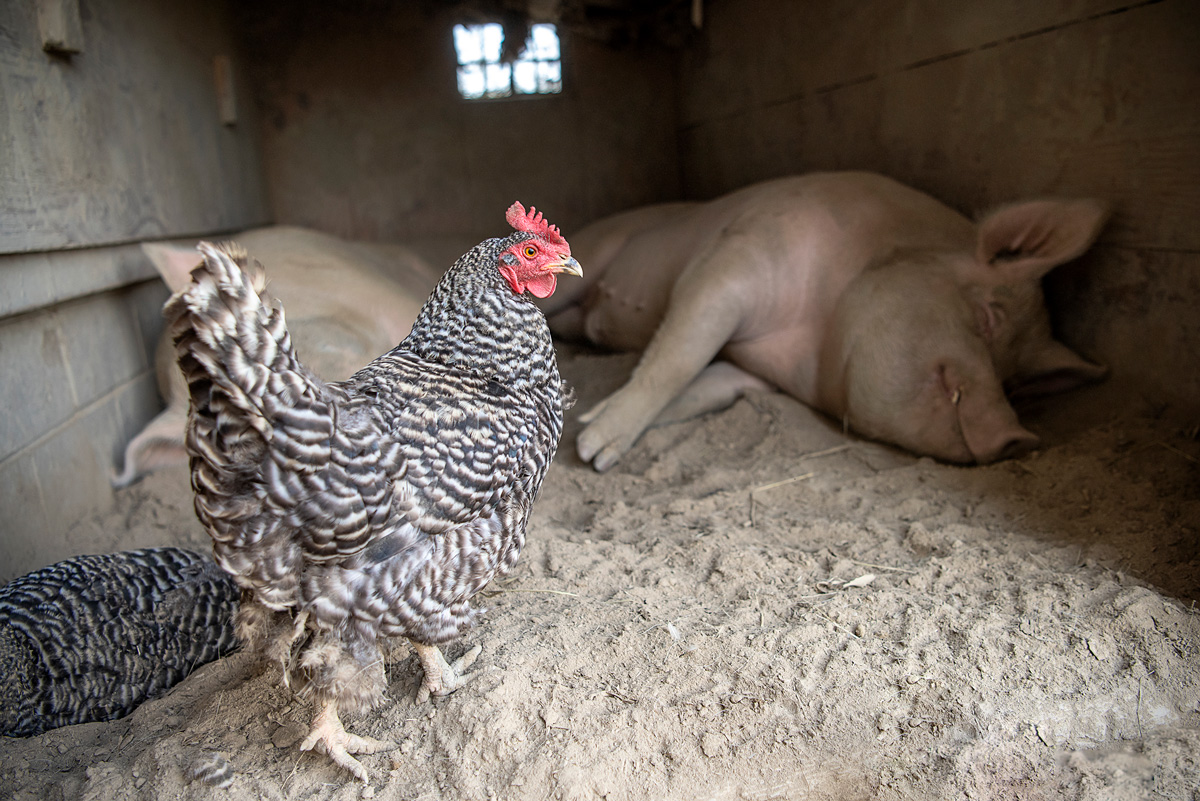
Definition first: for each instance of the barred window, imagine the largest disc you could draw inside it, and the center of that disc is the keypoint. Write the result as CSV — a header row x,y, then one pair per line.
x,y
482,75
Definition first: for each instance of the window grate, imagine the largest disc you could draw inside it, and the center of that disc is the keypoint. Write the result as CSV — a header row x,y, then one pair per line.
x,y
482,75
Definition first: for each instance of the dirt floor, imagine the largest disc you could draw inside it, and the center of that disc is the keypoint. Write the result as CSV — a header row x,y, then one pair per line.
x,y
752,606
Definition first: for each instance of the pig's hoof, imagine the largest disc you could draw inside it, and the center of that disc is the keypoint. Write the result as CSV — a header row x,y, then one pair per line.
x,y
593,449
605,459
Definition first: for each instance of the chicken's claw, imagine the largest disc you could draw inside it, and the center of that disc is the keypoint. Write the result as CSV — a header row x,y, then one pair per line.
x,y
441,677
329,737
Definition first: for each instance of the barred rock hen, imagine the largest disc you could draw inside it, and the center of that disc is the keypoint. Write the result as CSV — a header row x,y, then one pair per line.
x,y
91,637
378,506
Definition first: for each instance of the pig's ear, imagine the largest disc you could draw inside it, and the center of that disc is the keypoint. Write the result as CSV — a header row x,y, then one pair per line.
x,y
174,263
1031,238
1053,367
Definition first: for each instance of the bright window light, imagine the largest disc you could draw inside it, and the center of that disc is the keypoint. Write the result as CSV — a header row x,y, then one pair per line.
x,y
481,73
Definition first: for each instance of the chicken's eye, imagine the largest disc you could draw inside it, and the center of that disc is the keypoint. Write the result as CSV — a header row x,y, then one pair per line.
x,y
530,251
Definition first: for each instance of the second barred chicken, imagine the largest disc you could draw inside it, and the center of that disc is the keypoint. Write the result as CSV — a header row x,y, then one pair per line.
x,y
375,507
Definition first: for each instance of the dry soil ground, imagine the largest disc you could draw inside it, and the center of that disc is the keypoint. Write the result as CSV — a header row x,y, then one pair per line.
x,y
753,605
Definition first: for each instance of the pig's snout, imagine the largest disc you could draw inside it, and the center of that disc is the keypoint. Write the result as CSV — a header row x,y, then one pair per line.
x,y
1012,446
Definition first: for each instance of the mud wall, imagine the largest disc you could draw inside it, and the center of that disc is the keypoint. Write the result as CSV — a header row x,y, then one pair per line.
x,y
982,103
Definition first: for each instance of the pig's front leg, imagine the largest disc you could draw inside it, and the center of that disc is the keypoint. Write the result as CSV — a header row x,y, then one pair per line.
x,y
703,315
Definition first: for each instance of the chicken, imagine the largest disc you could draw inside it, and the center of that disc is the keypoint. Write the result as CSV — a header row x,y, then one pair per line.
x,y
91,637
375,507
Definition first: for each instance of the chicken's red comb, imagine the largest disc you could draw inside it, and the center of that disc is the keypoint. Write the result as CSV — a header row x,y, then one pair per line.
x,y
534,223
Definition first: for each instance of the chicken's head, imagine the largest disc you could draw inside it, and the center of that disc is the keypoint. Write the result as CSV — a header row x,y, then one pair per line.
x,y
533,261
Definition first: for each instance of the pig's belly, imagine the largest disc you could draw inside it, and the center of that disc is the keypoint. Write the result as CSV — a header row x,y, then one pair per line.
x,y
787,358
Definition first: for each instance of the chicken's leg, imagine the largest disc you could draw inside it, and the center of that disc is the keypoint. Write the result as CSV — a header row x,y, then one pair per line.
x,y
281,649
337,744
442,678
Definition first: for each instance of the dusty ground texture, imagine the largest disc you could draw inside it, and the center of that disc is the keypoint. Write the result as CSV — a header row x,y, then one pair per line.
x,y
753,606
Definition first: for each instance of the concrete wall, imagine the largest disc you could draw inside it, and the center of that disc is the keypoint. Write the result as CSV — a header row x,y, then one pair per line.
x,y
980,103
120,141
364,133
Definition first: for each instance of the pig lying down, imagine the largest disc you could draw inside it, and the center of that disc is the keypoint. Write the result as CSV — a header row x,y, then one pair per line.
x,y
346,302
861,297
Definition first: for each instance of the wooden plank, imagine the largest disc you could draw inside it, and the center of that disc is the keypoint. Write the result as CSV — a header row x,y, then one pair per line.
x,y
64,360
1136,311
30,281
1105,109
758,52
122,142
62,479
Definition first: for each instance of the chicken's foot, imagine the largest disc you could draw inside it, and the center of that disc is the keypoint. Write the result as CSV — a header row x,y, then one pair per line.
x,y
328,733
441,677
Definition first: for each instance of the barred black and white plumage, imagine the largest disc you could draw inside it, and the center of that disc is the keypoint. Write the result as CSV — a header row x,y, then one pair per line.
x,y
90,638
377,506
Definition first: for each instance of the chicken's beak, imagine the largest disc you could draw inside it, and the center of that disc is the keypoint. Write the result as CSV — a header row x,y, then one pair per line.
x,y
565,264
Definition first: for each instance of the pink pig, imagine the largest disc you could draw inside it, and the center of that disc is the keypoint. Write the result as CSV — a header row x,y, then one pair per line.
x,y
857,295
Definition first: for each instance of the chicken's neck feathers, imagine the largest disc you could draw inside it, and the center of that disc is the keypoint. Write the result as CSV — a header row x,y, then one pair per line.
x,y
473,321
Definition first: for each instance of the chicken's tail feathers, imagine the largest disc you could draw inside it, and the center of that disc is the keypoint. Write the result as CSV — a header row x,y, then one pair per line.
x,y
242,371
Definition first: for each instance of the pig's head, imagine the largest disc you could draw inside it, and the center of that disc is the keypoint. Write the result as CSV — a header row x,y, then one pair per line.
x,y
926,344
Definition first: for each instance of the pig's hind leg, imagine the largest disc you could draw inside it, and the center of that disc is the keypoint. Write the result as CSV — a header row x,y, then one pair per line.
x,y
716,388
